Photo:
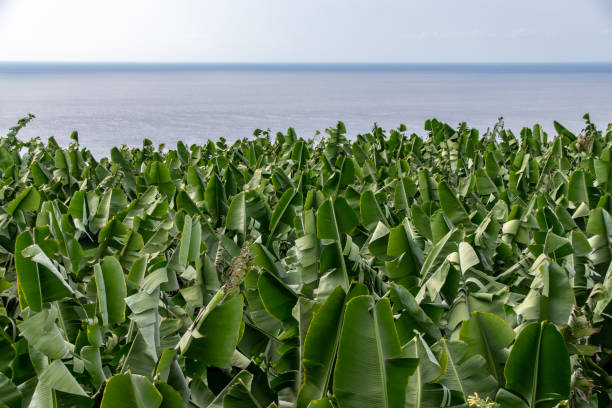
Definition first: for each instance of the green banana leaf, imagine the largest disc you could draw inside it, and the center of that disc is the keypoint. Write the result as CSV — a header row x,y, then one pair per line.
x,y
379,377
538,368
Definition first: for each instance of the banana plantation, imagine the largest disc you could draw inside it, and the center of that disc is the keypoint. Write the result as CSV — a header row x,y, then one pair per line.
x,y
450,268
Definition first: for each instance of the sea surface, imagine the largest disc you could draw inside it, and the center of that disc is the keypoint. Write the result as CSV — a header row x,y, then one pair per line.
x,y
113,104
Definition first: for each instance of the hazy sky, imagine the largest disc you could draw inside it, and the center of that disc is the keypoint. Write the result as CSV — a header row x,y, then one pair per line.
x,y
306,31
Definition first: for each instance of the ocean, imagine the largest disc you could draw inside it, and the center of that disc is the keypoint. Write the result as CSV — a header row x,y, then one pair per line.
x,y
114,104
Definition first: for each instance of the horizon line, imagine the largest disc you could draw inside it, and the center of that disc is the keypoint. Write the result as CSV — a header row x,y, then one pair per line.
x,y
91,67
150,62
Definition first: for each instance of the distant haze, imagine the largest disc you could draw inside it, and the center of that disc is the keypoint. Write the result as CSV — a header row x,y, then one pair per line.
x,y
306,31
114,104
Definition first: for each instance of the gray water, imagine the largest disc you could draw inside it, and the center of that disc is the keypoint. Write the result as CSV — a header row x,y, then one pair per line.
x,y
122,104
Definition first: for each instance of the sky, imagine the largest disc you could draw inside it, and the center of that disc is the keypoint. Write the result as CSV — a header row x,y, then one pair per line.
x,y
306,31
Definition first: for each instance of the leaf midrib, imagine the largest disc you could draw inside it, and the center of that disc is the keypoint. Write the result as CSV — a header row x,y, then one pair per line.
x,y
339,246
381,358
453,366
534,381
490,358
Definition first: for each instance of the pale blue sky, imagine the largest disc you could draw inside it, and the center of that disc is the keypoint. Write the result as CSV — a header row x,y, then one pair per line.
x,y
306,31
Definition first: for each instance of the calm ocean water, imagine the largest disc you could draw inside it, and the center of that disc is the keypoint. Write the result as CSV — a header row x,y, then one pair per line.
x,y
112,104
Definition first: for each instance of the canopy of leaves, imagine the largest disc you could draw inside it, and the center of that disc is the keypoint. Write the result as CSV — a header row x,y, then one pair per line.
x,y
386,270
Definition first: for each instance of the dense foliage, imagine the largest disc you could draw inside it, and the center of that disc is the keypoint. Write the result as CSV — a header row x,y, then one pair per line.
x,y
388,271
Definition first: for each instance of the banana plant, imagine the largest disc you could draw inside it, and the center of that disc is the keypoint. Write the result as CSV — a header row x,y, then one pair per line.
x,y
388,269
